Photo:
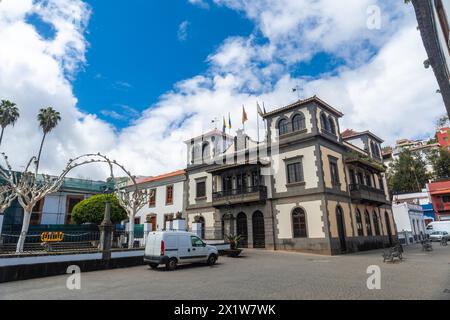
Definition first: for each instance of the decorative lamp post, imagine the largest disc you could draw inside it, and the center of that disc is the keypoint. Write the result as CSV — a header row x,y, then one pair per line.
x,y
106,230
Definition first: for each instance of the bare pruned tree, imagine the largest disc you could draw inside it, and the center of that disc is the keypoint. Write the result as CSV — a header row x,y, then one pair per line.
x,y
131,198
30,187
7,196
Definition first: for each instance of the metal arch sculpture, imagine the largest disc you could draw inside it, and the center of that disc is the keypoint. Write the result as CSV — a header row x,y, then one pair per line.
x,y
29,187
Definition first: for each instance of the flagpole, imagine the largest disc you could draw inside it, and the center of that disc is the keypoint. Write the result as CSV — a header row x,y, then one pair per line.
x,y
265,123
243,121
257,119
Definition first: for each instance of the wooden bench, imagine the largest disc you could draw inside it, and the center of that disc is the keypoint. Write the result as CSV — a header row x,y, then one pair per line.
x,y
392,253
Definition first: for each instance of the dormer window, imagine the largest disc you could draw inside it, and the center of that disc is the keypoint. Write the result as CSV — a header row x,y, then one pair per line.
x,y
332,125
324,122
205,151
283,127
298,122
375,150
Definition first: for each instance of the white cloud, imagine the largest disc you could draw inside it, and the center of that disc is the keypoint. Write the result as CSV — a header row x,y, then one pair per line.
x,y
390,94
183,30
200,3
36,72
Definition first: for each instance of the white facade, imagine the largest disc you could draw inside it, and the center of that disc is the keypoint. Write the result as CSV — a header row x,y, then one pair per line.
x,y
160,209
410,221
419,198
55,207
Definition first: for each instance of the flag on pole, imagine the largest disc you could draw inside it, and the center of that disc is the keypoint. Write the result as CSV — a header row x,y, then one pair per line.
x,y
244,116
224,125
230,126
260,111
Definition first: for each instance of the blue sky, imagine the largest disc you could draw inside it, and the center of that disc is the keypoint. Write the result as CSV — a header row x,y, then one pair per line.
x,y
135,54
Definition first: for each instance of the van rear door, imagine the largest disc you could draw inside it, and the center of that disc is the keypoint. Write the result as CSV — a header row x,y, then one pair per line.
x,y
151,244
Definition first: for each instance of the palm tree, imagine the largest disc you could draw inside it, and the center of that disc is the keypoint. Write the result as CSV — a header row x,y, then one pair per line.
x,y
48,119
9,114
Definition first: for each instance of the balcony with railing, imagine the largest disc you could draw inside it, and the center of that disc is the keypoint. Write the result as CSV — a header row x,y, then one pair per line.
x,y
365,194
255,194
364,161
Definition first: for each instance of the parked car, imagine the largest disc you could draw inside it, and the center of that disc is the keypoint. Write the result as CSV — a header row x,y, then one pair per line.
x,y
172,248
439,235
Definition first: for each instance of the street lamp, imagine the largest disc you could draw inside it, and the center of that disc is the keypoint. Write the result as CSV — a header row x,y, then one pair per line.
x,y
106,227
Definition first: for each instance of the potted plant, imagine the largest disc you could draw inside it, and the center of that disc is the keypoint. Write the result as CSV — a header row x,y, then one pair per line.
x,y
234,242
179,216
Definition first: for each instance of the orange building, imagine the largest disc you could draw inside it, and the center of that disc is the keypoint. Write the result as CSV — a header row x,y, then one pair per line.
x,y
440,197
443,136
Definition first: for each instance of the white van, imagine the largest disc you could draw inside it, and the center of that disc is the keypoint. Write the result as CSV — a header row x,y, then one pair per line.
x,y
438,226
172,248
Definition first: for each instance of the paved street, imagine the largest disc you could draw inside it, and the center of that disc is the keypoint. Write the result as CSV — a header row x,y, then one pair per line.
x,y
259,275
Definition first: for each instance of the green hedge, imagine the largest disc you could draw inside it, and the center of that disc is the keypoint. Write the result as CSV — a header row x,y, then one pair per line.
x,y
92,210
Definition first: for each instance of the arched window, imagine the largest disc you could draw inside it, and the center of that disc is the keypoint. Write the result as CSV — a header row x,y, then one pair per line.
x,y
368,224
206,151
324,122
376,222
283,127
299,223
332,125
359,224
298,122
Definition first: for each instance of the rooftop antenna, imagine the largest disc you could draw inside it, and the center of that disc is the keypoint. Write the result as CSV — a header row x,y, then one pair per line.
x,y
297,89
215,121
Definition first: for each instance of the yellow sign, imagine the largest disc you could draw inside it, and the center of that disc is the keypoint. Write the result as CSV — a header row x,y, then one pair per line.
x,y
52,236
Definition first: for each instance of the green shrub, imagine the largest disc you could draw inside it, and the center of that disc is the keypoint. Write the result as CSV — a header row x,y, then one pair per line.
x,y
92,210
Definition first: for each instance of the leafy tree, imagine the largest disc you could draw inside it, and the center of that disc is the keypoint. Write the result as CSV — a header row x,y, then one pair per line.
x,y
443,121
9,114
407,173
440,159
92,210
48,119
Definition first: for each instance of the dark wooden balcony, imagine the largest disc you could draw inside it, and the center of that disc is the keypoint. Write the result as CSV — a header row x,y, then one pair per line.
x,y
365,194
256,194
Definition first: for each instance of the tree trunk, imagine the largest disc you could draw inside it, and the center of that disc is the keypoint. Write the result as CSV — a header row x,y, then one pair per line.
x,y
131,232
40,152
23,233
1,136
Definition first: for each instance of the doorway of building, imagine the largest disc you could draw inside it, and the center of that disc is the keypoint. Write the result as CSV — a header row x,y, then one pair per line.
x,y
153,222
388,227
242,230
71,202
259,233
201,220
341,228
36,215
